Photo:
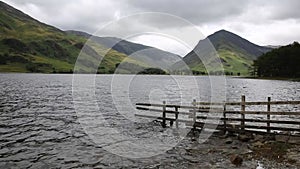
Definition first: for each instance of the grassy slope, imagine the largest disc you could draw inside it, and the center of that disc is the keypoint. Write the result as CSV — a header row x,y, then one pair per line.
x,y
30,32
45,48
235,62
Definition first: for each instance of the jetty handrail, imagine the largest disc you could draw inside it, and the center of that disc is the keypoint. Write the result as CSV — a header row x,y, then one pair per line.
x,y
226,103
206,110
250,103
227,111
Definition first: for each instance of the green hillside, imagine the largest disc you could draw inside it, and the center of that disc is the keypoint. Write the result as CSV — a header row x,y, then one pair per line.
x,y
27,45
236,54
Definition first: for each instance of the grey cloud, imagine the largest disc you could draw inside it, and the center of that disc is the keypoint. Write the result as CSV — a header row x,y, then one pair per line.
x,y
195,11
238,15
88,14
288,9
85,15
37,2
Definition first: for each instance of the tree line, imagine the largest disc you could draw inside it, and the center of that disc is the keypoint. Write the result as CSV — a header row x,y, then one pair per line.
x,y
280,62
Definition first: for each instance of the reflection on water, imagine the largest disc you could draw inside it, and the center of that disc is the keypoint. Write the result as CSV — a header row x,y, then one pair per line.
x,y
40,128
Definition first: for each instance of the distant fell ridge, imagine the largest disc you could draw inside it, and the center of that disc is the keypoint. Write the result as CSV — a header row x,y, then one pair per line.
x,y
147,54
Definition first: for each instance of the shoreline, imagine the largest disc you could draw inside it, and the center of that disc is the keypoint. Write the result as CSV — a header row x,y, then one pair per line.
x,y
268,78
253,149
238,77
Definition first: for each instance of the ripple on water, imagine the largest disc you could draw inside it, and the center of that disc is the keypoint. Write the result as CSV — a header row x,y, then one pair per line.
x,y
39,127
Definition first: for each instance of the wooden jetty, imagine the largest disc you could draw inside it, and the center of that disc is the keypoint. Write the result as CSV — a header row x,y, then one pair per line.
x,y
238,117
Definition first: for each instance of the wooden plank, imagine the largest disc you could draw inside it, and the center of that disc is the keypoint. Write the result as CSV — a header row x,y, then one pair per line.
x,y
273,103
167,111
156,105
247,129
263,112
154,117
265,127
265,103
217,110
251,120
167,105
261,127
264,132
273,128
272,121
149,109
259,112
143,104
284,102
250,112
226,103
250,103
266,121
272,113
160,118
220,104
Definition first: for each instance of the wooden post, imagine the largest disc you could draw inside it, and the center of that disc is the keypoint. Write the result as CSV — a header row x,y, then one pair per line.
x,y
176,116
268,115
243,109
224,120
194,114
164,115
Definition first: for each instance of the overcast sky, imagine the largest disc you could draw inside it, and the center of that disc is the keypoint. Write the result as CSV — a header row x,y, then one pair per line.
x,y
270,22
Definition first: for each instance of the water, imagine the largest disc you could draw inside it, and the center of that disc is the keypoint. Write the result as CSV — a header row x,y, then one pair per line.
x,y
44,125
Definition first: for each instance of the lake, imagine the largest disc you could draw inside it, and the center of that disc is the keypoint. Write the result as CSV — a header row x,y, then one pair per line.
x,y
57,121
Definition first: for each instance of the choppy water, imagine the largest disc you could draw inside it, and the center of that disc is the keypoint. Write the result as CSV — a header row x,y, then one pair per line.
x,y
42,125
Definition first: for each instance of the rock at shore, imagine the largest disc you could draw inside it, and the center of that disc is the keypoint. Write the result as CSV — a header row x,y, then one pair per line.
x,y
236,160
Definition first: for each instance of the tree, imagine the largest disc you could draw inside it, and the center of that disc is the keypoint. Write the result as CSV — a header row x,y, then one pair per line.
x,y
281,62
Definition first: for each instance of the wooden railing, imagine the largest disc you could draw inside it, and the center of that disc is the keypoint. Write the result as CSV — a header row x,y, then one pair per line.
x,y
229,116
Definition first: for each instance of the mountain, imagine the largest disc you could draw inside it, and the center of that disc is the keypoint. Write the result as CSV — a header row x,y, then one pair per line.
x,y
236,53
28,45
117,44
146,54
